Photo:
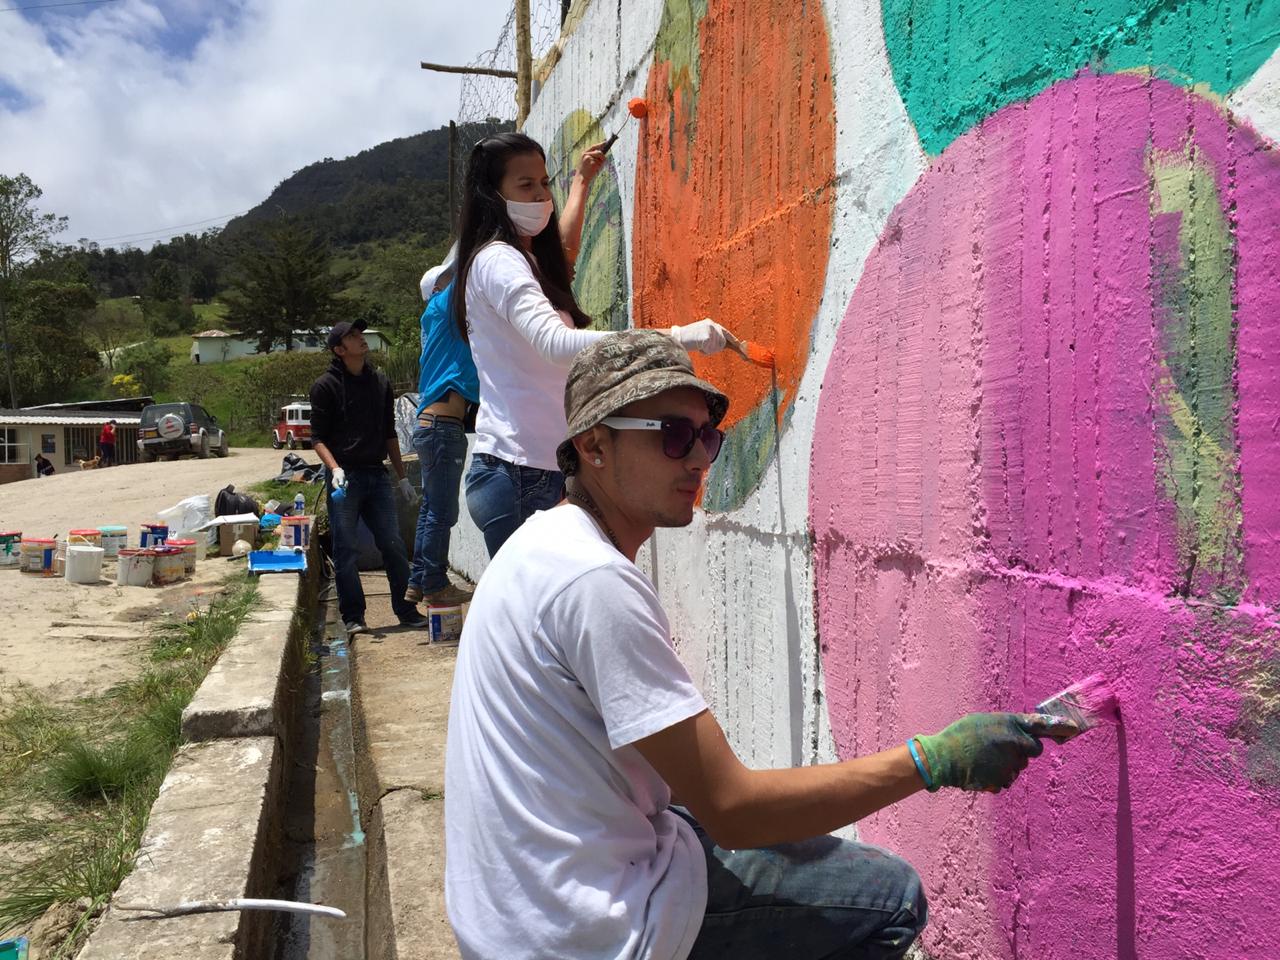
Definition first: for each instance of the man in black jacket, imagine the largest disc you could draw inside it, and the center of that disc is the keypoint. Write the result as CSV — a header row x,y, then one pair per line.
x,y
353,432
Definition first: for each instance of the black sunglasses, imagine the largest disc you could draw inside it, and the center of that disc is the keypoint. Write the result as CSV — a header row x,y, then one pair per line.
x,y
678,434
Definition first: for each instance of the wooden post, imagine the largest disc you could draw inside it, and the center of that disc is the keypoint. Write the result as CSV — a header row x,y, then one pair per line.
x,y
524,63
453,178
485,71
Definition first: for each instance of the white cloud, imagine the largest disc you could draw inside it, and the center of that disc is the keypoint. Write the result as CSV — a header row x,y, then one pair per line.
x,y
128,127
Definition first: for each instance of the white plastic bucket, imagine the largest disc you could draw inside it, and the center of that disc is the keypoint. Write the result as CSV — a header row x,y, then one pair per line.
x,y
446,624
10,549
134,567
114,538
188,548
84,563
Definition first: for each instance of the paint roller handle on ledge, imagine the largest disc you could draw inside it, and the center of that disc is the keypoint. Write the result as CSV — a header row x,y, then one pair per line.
x,y
982,751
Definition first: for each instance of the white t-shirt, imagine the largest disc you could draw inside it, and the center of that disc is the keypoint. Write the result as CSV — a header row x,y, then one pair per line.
x,y
522,348
558,840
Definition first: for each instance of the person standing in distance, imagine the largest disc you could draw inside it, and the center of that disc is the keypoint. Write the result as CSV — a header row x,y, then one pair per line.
x,y
107,444
353,431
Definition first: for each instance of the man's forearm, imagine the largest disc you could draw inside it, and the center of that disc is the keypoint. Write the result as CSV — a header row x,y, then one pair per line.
x,y
322,451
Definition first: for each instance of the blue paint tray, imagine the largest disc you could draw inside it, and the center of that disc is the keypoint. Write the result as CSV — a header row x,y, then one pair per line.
x,y
276,561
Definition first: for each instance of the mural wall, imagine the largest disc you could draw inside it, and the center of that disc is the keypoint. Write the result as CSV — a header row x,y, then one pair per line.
x,y
1021,267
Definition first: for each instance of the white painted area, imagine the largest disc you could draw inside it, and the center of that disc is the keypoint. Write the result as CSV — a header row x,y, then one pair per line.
x,y
1258,101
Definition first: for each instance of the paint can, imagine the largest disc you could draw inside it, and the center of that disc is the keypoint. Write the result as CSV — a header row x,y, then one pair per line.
x,y
446,624
153,535
169,566
134,567
295,532
114,537
11,549
90,535
84,563
37,556
188,548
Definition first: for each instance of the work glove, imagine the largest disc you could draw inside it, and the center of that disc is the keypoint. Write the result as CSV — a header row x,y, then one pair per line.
x,y
407,491
705,336
338,478
985,751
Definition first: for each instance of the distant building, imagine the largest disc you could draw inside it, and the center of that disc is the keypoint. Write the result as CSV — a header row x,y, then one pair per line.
x,y
63,435
219,346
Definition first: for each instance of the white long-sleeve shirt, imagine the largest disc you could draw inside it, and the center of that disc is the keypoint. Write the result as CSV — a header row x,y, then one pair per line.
x,y
522,348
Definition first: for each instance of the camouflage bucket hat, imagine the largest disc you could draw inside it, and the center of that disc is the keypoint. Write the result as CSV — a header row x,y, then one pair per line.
x,y
620,369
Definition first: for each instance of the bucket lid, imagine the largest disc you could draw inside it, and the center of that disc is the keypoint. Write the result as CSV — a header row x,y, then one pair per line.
x,y
182,543
165,549
12,533
451,608
156,526
113,528
86,532
37,540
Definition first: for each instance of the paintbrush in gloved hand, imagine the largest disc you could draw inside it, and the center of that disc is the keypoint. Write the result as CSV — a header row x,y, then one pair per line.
x,y
1083,705
754,352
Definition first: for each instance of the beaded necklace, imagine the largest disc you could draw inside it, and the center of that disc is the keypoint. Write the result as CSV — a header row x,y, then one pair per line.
x,y
583,499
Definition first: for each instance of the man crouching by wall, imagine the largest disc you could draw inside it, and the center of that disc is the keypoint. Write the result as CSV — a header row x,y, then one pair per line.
x,y
573,724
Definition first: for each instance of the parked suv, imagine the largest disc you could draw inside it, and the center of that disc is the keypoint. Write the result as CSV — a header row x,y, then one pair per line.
x,y
178,428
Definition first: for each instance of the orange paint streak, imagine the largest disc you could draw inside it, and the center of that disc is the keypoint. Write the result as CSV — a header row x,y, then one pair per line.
x,y
734,193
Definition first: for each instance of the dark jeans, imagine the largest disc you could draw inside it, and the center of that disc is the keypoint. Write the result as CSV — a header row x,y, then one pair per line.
x,y
820,899
441,450
371,499
106,454
502,495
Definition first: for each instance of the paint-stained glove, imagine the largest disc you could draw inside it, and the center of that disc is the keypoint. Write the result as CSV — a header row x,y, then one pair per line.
x,y
983,751
705,336
406,490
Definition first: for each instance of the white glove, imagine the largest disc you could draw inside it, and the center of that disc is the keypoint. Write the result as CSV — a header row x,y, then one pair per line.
x,y
407,491
338,478
705,336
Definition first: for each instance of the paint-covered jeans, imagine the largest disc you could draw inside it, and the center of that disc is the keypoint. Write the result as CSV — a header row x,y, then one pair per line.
x,y
820,899
369,498
502,495
441,450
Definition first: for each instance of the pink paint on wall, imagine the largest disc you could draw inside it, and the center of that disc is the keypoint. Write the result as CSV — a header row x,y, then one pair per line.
x,y
1013,468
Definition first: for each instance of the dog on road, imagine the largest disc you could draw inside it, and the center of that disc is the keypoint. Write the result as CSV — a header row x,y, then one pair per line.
x,y
89,464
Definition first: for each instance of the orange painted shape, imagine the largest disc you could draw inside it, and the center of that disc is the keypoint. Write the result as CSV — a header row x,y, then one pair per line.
x,y
735,191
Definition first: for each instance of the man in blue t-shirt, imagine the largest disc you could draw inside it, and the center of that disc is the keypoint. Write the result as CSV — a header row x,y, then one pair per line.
x,y
447,385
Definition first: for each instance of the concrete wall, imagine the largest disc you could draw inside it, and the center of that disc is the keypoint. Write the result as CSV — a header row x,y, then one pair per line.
x,y
1021,269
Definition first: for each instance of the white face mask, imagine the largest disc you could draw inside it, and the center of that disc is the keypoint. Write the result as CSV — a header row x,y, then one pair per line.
x,y
530,219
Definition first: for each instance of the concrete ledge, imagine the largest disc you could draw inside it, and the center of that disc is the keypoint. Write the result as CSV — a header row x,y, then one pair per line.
x,y
210,828
244,695
406,844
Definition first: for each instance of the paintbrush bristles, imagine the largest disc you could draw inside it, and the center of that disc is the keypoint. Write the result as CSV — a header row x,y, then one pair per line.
x,y
760,356
1086,703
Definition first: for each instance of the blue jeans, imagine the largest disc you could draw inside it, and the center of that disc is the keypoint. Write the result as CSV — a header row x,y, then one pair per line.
x,y
821,898
371,499
441,450
502,495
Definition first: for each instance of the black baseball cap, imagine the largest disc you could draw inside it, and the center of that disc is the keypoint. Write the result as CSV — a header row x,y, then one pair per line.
x,y
340,330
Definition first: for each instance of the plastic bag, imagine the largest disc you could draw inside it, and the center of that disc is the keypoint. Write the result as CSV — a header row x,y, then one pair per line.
x,y
187,516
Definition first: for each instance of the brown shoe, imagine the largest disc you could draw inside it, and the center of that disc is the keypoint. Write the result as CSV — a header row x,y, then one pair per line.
x,y
413,595
447,596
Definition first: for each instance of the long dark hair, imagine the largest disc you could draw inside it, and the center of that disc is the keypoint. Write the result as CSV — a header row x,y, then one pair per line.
x,y
484,219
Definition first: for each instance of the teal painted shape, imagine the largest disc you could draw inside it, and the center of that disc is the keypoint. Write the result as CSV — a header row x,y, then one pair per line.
x,y
955,64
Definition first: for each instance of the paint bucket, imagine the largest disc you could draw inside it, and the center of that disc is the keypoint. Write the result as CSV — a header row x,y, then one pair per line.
x,y
59,557
134,567
91,536
37,556
295,532
114,537
153,535
169,566
11,549
188,548
446,624
84,563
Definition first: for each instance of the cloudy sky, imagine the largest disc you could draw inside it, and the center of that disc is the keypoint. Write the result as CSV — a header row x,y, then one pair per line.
x,y
137,117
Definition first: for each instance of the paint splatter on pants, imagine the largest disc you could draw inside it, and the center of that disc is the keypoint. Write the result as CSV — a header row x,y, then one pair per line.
x,y
820,899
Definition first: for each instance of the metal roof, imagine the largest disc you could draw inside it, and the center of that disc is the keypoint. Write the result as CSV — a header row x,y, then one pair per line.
x,y
67,418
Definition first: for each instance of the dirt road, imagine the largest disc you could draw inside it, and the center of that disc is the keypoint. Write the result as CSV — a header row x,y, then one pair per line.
x,y
71,639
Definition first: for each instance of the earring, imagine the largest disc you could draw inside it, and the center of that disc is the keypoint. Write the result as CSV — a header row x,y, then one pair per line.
x,y
598,461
